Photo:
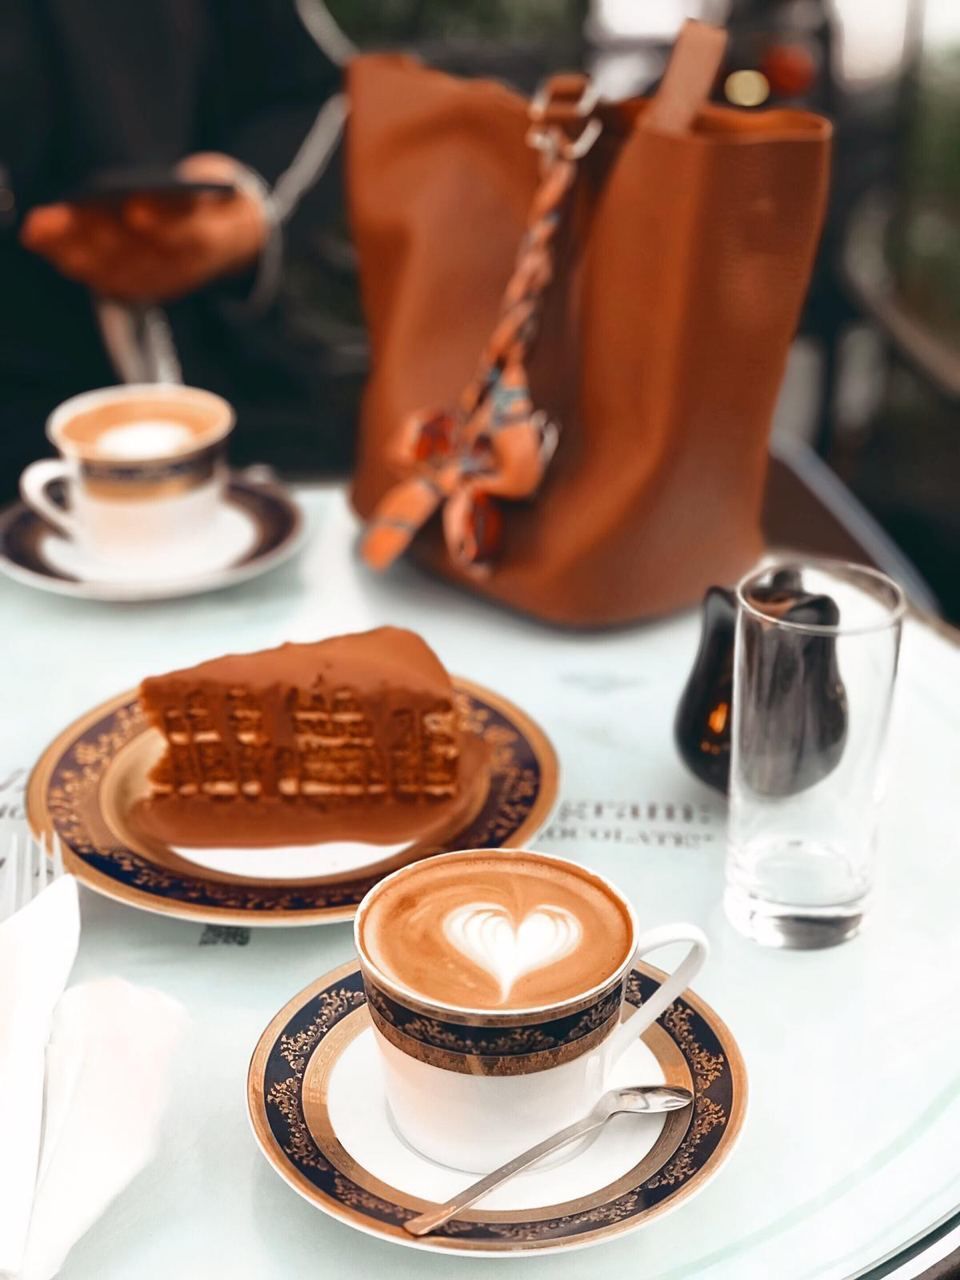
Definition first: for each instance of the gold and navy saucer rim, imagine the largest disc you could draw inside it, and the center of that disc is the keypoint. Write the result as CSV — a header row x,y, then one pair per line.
x,y
63,795
287,1095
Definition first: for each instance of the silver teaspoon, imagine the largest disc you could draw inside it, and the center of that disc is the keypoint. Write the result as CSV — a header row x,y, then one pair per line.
x,y
637,1098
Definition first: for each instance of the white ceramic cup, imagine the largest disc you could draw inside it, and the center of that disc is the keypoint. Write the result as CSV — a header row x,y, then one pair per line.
x,y
458,1101
129,503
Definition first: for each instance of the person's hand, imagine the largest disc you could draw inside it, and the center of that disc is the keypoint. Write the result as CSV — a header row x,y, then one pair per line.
x,y
154,248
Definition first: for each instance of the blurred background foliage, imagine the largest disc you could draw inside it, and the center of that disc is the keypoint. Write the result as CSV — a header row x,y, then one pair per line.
x,y
925,246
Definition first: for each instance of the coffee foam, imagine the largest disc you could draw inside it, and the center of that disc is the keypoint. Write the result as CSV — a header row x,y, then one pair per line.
x,y
495,931
144,426
148,438
485,933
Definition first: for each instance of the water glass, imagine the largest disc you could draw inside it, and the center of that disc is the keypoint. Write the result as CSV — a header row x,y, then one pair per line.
x,y
814,670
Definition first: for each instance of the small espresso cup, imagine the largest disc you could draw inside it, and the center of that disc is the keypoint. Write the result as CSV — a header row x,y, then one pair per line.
x,y
144,469
471,1087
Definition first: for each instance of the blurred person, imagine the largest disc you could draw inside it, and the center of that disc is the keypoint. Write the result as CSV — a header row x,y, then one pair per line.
x,y
212,90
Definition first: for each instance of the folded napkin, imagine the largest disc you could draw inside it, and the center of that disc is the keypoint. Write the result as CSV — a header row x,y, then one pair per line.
x,y
37,950
108,1068
83,1081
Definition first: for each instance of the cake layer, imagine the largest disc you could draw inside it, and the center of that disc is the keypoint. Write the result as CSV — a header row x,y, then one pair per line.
x,y
363,721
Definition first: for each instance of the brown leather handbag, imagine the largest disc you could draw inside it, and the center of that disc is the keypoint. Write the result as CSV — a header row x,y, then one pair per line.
x,y
579,315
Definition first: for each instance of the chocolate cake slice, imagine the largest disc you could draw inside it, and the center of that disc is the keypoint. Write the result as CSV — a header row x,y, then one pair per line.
x,y
356,736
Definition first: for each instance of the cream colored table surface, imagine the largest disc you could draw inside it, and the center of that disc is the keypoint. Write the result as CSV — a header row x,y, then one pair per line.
x,y
851,1139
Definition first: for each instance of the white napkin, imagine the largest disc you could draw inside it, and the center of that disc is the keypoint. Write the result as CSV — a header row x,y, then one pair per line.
x,y
83,1078
37,950
108,1067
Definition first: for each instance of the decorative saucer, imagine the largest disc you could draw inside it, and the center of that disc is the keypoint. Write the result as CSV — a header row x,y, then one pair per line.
x,y
86,782
316,1103
257,527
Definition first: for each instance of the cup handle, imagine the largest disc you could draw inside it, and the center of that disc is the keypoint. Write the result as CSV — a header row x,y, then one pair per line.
x,y
33,489
635,1020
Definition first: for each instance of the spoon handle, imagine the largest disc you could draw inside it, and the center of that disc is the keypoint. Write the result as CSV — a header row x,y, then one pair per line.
x,y
424,1223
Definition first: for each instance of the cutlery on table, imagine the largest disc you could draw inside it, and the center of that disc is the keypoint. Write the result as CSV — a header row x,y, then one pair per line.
x,y
25,869
636,1099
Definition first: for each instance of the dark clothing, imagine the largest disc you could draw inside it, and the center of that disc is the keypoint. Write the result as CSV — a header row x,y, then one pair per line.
x,y
87,85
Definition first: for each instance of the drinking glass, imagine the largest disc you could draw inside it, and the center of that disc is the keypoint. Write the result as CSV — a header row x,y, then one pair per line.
x,y
814,670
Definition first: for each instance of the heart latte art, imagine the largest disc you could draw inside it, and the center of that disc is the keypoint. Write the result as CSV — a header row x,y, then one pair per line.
x,y
485,934
495,931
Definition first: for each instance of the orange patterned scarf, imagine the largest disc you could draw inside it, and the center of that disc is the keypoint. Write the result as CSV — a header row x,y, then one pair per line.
x,y
494,444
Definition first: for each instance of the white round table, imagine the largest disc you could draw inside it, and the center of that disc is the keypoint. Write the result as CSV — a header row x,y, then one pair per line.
x,y
849,1146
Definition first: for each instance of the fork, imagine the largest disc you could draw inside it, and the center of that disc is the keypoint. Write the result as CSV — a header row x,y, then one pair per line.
x,y
26,869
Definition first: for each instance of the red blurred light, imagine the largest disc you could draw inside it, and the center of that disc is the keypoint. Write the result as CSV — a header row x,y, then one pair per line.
x,y
790,68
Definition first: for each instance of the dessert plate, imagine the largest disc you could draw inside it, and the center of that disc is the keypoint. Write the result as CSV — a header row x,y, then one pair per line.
x,y
258,526
86,782
318,1112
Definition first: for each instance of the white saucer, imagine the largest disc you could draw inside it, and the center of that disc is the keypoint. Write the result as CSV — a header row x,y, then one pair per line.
x,y
361,1123
316,1102
230,538
258,526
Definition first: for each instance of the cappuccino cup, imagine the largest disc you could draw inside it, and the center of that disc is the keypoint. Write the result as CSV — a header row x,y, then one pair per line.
x,y
496,982
144,467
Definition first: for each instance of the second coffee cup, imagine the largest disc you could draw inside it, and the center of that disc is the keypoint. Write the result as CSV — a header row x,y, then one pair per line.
x,y
496,983
144,468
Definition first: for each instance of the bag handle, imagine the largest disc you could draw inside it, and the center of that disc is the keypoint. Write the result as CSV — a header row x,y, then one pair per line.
x,y
690,75
563,103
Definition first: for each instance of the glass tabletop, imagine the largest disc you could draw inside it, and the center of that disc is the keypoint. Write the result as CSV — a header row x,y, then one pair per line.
x,y
849,1146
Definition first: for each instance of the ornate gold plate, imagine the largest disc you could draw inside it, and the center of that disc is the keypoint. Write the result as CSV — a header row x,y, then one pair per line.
x,y
289,1101
85,783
